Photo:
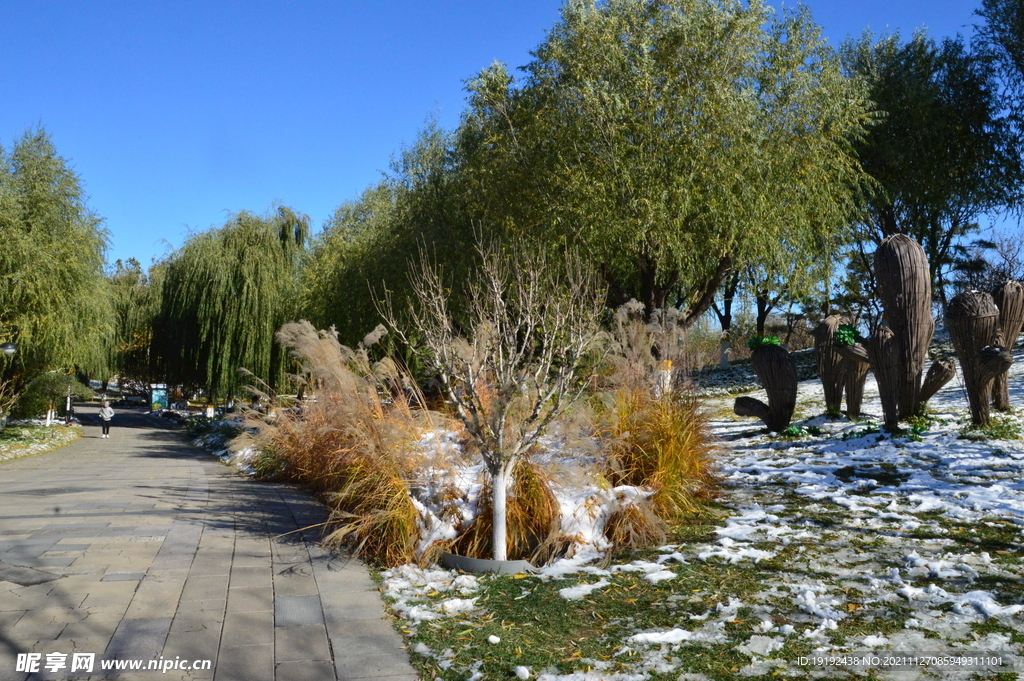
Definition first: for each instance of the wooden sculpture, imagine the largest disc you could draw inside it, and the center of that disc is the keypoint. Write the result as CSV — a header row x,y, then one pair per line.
x,y
1009,298
831,366
973,322
776,371
898,351
905,287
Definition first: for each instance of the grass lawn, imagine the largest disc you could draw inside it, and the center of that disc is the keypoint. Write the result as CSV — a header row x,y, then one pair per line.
x,y
18,441
837,541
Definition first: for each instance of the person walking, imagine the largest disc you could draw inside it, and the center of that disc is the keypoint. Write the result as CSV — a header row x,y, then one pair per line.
x,y
106,413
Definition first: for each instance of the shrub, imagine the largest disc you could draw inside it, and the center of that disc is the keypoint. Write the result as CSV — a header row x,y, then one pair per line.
x,y
47,392
759,341
650,417
196,426
846,334
348,441
635,526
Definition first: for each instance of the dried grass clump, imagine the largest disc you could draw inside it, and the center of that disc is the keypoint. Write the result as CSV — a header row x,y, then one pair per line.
x,y
635,526
661,443
348,440
373,512
657,435
534,519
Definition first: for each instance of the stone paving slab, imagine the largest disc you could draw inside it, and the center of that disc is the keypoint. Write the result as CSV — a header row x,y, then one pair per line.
x,y
143,547
292,611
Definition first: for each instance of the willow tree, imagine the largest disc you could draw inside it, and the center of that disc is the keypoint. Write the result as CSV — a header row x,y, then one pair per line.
x,y
1001,39
676,140
224,295
135,302
53,301
943,154
353,253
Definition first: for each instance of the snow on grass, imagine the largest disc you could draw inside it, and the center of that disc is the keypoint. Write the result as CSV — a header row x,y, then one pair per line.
x,y
844,539
575,593
29,438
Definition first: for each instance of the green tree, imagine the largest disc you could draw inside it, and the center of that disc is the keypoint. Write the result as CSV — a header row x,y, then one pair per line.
x,y
49,391
53,295
135,303
676,141
368,245
345,261
1001,39
942,155
224,295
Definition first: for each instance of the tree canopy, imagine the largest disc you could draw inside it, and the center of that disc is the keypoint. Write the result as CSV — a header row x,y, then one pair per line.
x,y
671,142
942,154
224,295
676,140
135,303
1001,39
53,300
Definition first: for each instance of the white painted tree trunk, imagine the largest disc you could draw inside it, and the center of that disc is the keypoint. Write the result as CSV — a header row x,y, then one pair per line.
x,y
49,416
499,482
664,379
723,362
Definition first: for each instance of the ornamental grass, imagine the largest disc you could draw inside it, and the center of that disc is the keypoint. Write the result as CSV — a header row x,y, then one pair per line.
x,y
650,417
347,440
660,443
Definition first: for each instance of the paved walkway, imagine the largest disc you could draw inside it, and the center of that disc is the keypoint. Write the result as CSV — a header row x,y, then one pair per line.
x,y
140,546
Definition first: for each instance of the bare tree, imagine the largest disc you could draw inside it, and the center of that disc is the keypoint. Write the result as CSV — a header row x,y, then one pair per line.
x,y
530,325
987,263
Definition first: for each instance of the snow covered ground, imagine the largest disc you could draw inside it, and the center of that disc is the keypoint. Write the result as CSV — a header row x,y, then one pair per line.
x,y
851,540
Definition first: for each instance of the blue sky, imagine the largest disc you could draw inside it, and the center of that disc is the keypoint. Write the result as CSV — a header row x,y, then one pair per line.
x,y
177,113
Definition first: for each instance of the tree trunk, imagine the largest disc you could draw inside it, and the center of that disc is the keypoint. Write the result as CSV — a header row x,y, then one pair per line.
x,y
791,320
652,294
703,294
617,296
764,307
499,485
725,317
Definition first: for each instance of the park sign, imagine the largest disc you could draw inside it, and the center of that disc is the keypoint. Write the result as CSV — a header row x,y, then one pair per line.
x,y
157,396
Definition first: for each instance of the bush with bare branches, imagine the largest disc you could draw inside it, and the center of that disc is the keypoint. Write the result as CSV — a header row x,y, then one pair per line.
x,y
514,359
